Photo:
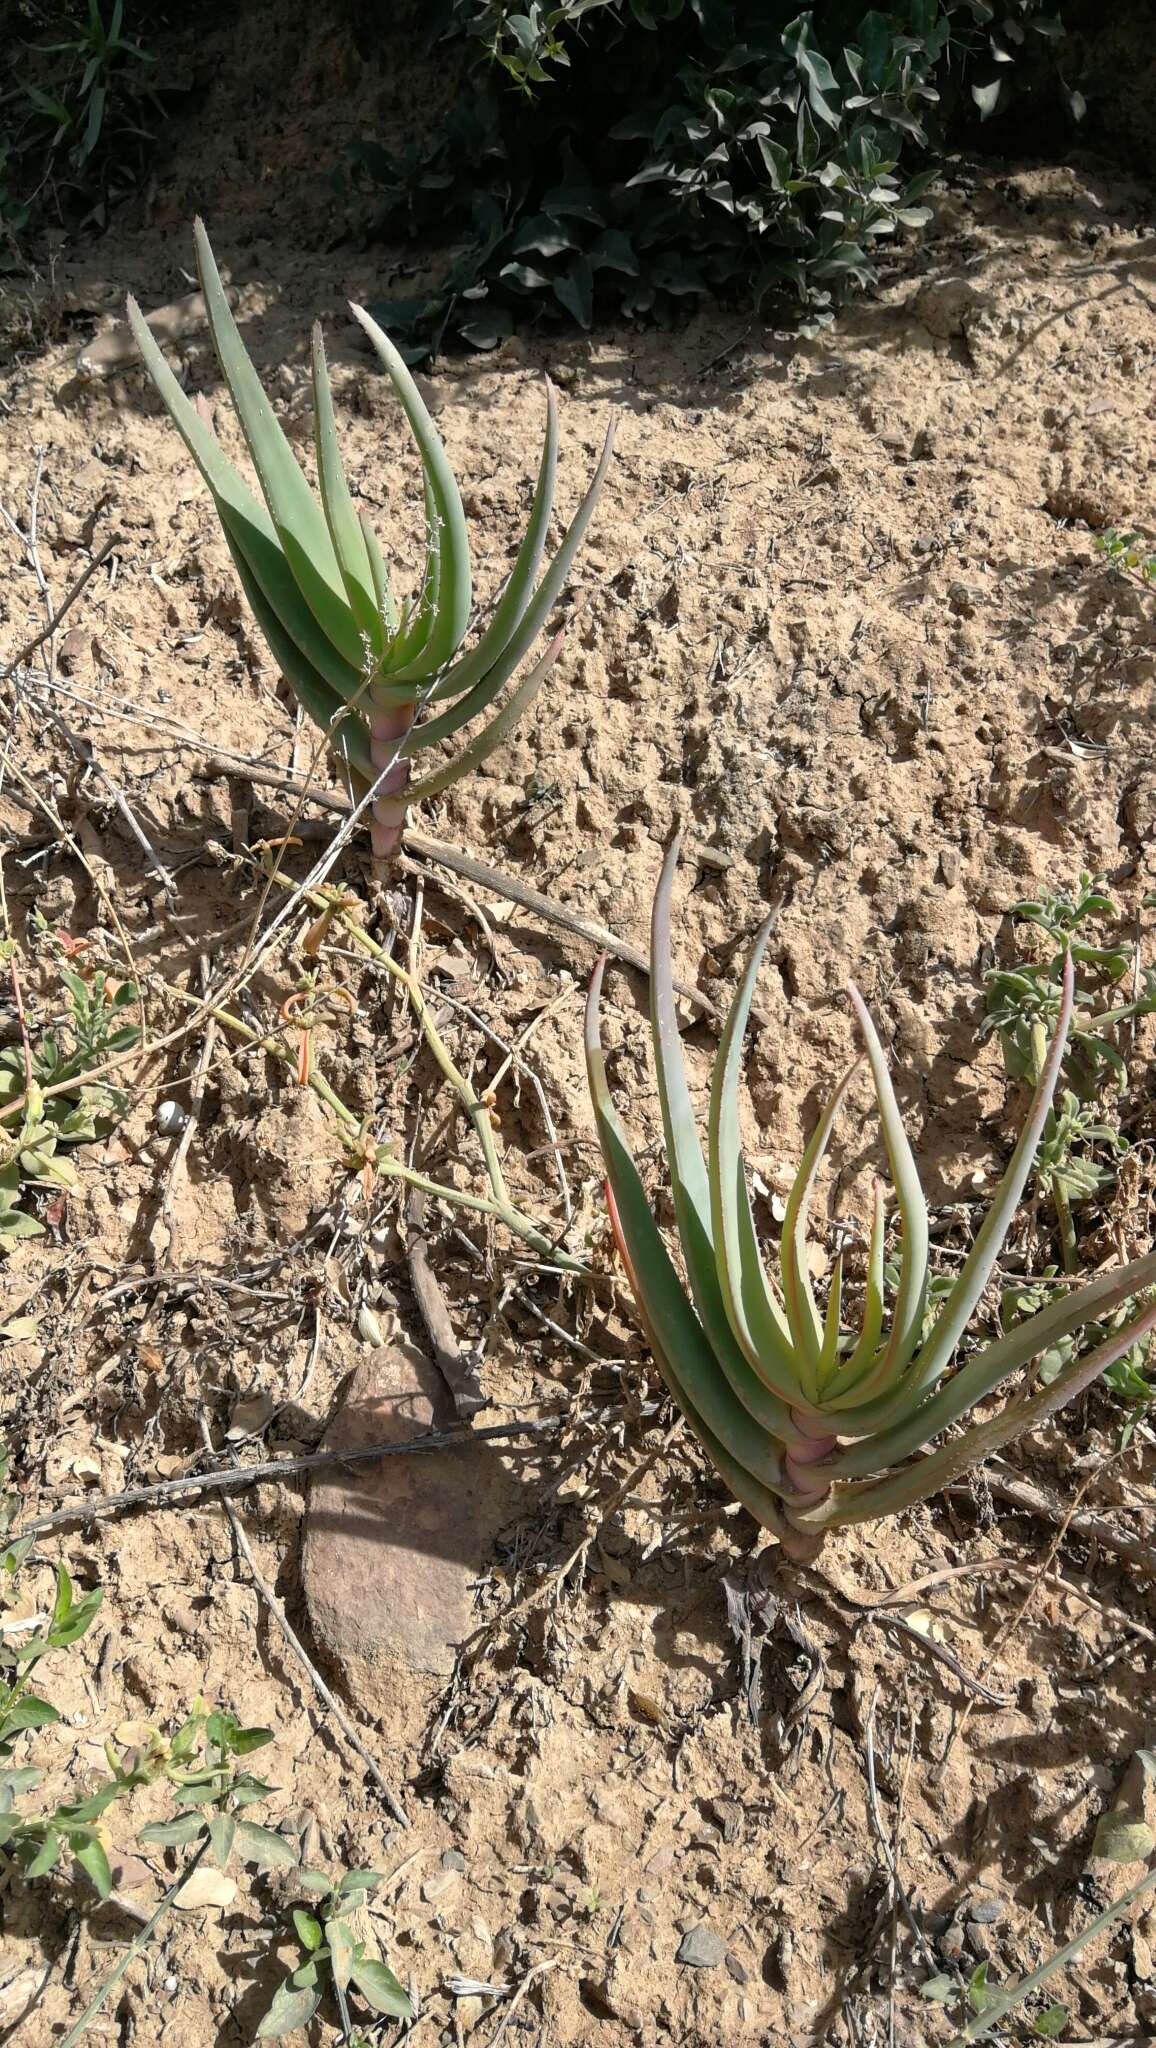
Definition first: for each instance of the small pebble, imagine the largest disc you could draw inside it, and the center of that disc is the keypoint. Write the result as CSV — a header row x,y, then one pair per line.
x,y
170,1119
702,1948
737,1970
985,1913
452,1859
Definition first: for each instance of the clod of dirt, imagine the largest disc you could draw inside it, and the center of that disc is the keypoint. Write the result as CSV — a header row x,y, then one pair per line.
x,y
393,1549
946,305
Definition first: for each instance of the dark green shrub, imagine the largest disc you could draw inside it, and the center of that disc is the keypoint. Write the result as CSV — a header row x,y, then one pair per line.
x,y
629,155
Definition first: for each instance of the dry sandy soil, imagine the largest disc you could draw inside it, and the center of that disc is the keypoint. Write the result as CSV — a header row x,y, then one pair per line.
x,y
841,613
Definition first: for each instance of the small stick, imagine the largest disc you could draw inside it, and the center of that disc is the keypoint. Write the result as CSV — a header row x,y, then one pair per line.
x,y
237,1477
486,877
457,1372
393,1805
1032,1499
196,1104
38,640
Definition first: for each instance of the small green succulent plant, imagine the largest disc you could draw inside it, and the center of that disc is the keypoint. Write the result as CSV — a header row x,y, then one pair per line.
x,y
364,669
811,1425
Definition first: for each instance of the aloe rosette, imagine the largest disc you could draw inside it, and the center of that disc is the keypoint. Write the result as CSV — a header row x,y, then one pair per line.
x,y
367,671
811,1425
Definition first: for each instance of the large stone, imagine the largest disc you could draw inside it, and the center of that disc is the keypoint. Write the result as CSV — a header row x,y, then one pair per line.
x,y
394,1547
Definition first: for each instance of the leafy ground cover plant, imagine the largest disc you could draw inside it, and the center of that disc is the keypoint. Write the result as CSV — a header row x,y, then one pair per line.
x,y
316,581
628,157
814,1425
1081,1138
1129,553
46,1101
84,109
332,1953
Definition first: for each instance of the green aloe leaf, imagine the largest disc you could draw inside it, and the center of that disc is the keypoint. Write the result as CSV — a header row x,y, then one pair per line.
x,y
454,593
690,1184
345,528
347,735
802,1310
296,515
914,1276
248,527
511,605
929,1475
752,1311
682,1351
480,748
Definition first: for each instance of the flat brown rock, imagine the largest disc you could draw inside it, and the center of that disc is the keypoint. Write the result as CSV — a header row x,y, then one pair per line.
x,y
392,1549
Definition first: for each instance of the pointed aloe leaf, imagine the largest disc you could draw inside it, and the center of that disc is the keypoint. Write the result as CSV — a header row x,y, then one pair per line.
x,y
933,1359
250,526
802,1310
829,1355
758,1500
480,748
455,589
751,1309
554,577
690,1186
981,1375
928,1475
345,529
386,608
295,513
347,735
914,1274
679,1340
862,1359
520,583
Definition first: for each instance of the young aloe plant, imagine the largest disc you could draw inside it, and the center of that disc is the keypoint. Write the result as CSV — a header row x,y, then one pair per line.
x,y
316,581
813,1426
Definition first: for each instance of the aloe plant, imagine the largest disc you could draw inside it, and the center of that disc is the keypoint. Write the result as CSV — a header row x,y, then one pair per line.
x,y
811,1425
364,668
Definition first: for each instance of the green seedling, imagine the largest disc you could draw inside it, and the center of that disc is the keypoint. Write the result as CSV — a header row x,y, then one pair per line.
x,y
1023,1007
40,1112
333,1955
813,1425
366,669
1128,553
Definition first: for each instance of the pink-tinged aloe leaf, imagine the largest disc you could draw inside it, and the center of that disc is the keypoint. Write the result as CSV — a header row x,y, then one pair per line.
x,y
484,744
752,1311
981,1375
474,666
690,1186
347,735
248,525
454,594
960,1454
386,608
345,529
844,1382
936,1354
802,1310
295,513
678,1339
911,1295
